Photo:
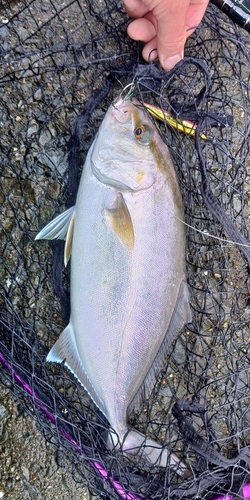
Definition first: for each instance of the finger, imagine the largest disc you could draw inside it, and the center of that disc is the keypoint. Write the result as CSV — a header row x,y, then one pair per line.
x,y
195,13
141,29
135,8
149,52
171,31
132,4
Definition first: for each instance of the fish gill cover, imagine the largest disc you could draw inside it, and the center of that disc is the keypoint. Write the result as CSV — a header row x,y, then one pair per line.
x,y
61,66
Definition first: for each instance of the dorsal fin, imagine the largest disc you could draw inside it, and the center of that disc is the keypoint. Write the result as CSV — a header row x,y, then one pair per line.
x,y
181,316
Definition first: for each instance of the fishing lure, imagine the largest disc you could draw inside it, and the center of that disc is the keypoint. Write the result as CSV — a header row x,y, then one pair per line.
x,y
185,126
182,125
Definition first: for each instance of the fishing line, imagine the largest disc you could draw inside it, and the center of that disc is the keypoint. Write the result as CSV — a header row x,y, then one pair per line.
x,y
205,233
213,203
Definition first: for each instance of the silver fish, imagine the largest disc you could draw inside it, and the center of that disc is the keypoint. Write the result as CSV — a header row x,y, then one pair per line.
x,y
129,296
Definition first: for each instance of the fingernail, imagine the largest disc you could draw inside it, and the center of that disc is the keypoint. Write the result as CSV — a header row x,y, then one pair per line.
x,y
170,62
191,29
153,54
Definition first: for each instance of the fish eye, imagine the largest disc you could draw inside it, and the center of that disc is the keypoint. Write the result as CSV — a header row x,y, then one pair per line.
x,y
139,131
143,133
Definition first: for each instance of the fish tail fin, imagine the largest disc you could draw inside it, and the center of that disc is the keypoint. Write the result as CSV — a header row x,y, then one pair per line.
x,y
136,443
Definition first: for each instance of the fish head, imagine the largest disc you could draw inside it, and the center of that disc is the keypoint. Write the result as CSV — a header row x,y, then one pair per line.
x,y
129,152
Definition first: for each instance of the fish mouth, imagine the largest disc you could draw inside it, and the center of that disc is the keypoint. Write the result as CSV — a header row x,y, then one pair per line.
x,y
121,110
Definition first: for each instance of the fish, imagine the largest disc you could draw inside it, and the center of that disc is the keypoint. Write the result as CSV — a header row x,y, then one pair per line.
x,y
128,289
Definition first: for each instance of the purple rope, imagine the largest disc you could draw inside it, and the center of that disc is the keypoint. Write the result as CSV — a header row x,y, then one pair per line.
x,y
245,494
96,465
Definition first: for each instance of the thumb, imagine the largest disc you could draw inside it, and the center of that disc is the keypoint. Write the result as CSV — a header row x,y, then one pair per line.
x,y
171,31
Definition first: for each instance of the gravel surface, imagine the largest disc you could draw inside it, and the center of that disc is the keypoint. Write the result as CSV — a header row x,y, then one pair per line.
x,y
28,463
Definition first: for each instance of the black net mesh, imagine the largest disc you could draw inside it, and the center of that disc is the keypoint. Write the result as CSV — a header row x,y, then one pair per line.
x,y
61,66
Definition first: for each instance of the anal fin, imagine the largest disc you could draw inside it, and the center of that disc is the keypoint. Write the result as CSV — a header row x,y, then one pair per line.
x,y
65,350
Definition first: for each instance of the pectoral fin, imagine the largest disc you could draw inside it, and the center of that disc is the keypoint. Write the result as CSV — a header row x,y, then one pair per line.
x,y
120,222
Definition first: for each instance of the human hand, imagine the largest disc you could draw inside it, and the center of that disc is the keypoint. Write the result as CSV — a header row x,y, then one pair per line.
x,y
164,25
